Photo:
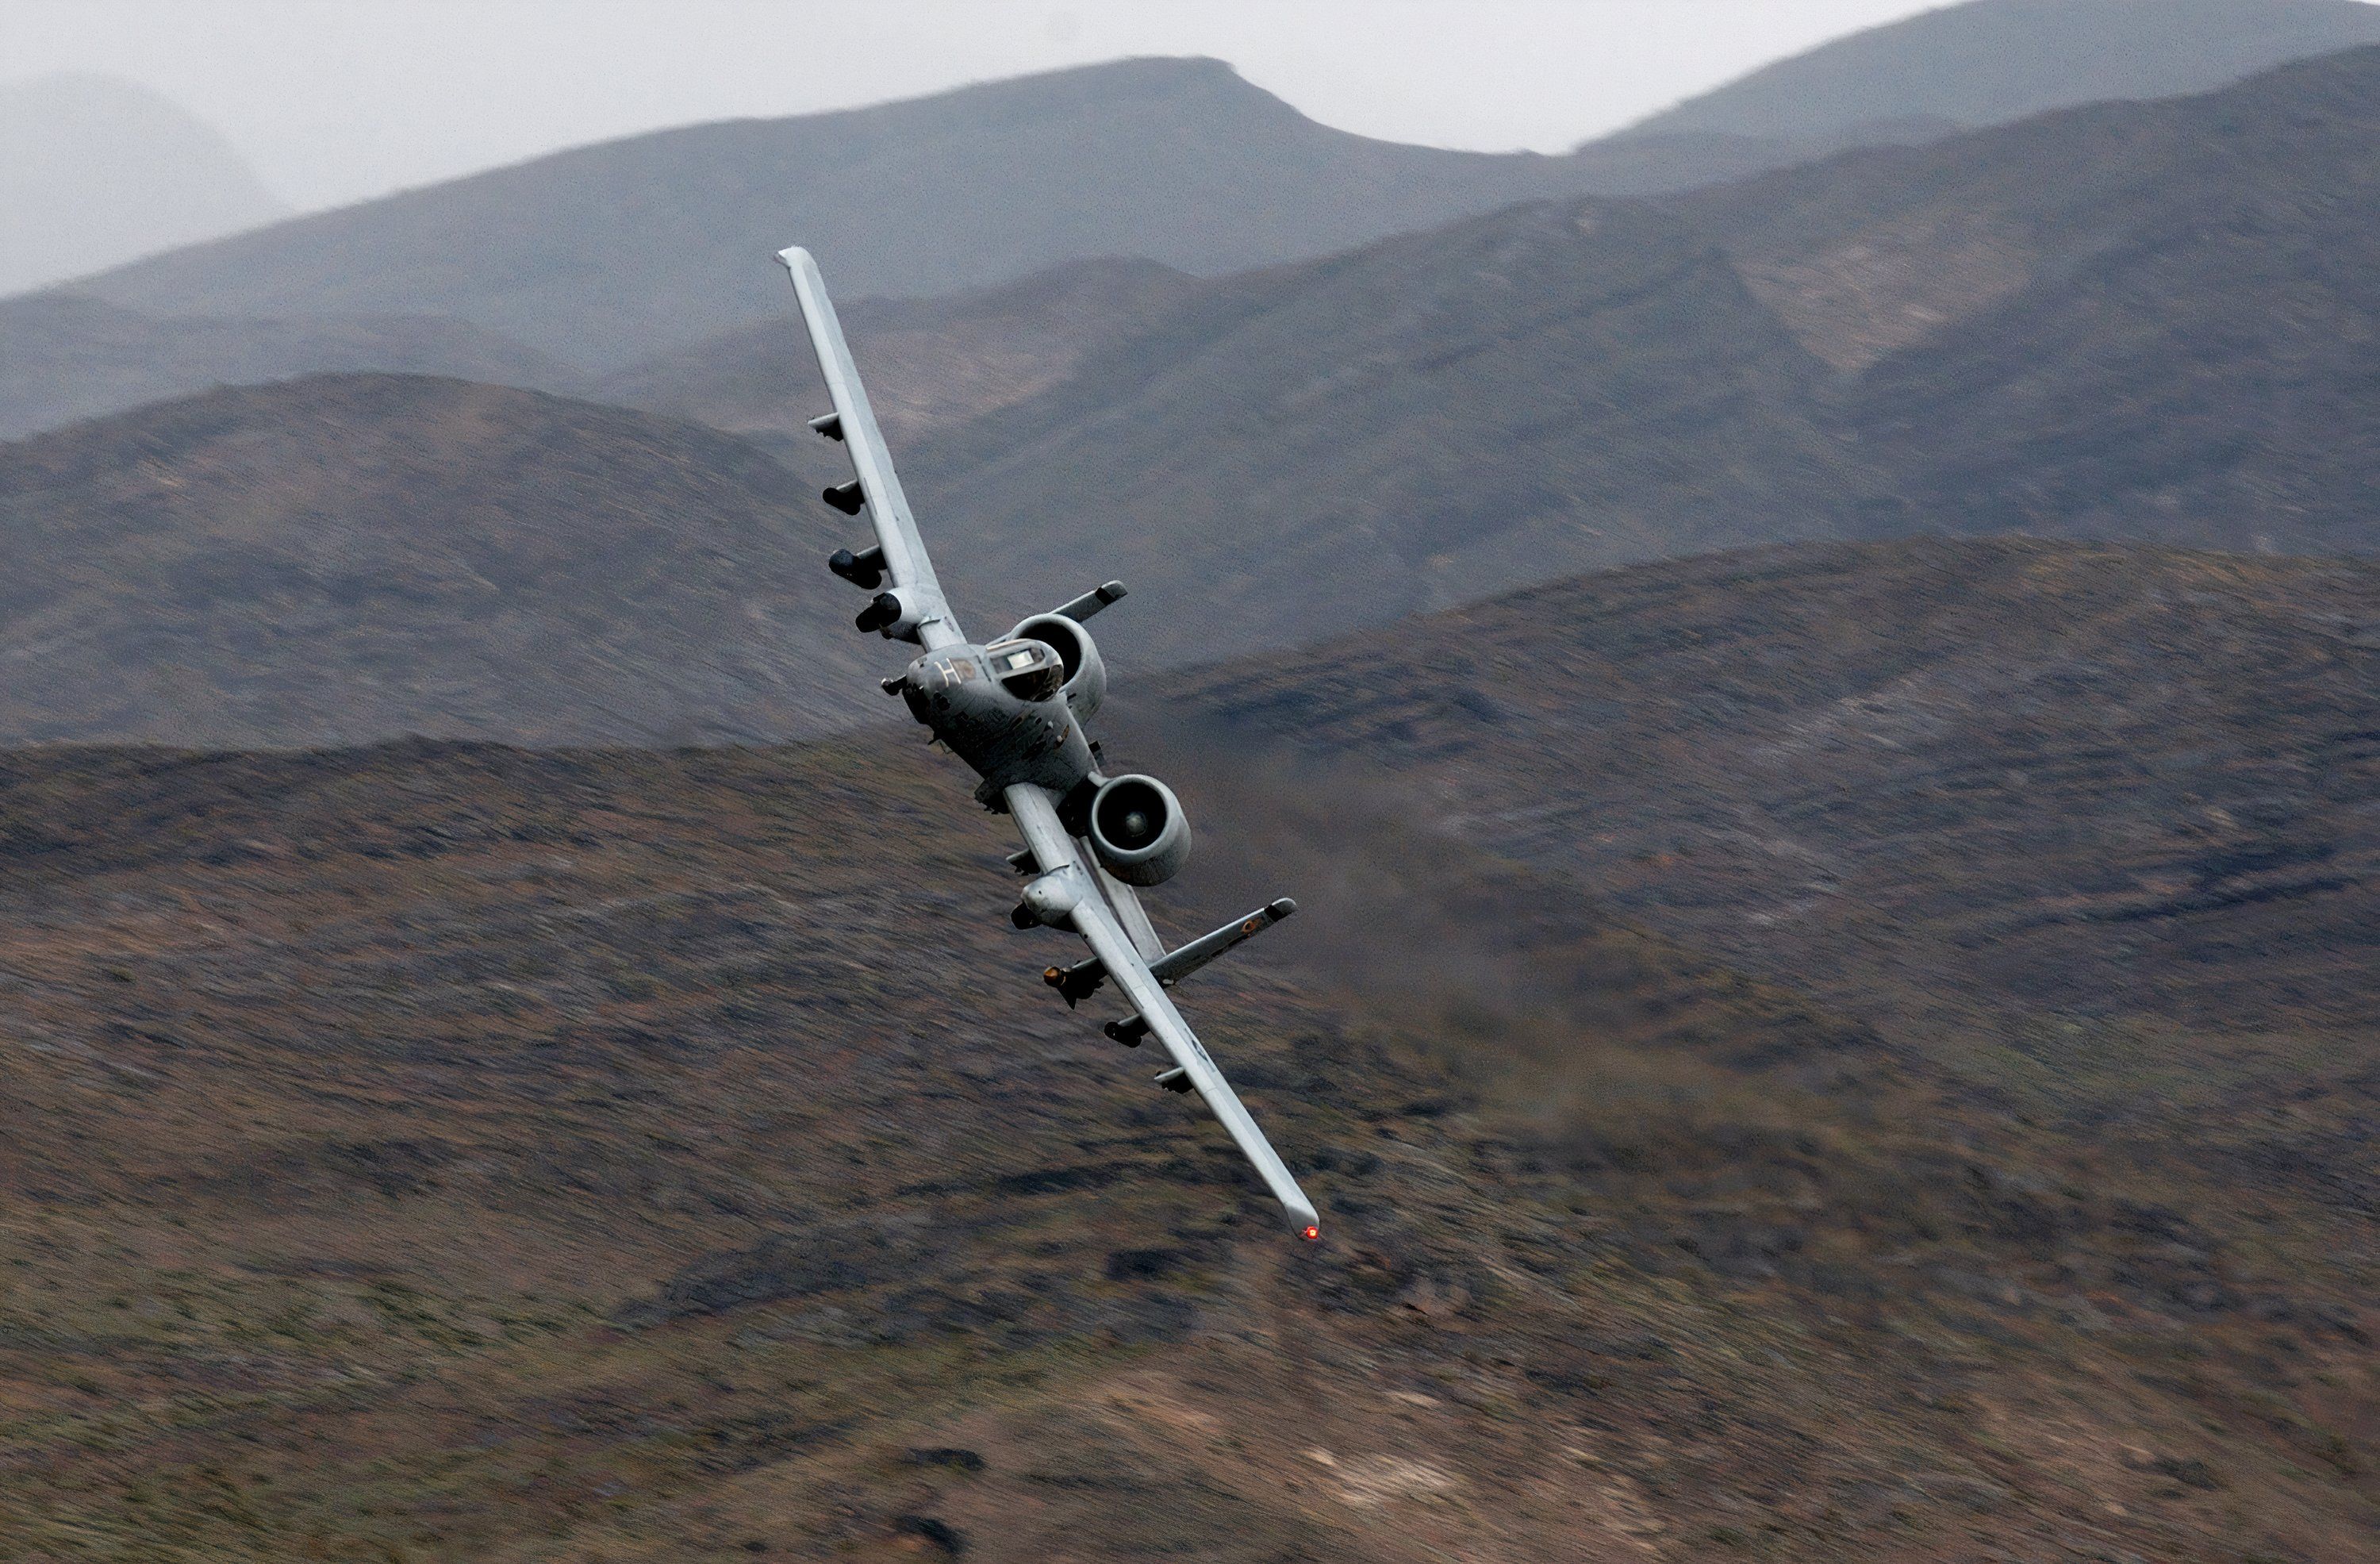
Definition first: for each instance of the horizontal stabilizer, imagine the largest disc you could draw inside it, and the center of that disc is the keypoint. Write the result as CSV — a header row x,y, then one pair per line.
x,y
1081,979
1091,602
1176,965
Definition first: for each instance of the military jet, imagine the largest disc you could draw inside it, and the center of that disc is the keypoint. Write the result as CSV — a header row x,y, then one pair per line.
x,y
1013,709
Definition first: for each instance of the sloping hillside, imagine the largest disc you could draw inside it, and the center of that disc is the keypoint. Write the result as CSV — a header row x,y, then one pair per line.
x,y
931,362
347,558
2140,319
449,1153
610,253
1991,61
1429,419
64,358
2090,826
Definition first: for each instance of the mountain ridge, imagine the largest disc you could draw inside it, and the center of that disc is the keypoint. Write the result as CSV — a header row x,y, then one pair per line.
x,y
645,246
1107,159
2142,321
1992,61
2145,320
345,558
1176,160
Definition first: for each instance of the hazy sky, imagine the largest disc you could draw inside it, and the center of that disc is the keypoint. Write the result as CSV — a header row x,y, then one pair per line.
x,y
338,100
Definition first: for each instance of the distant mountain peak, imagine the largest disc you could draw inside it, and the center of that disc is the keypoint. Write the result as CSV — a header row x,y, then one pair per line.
x,y
95,171
1989,62
1200,79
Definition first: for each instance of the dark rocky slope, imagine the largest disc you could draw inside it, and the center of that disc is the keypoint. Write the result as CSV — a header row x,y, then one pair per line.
x,y
345,557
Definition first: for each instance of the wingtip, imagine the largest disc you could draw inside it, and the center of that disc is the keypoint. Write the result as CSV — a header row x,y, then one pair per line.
x,y
793,255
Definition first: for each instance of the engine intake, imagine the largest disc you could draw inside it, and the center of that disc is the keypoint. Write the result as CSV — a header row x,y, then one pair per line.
x,y
1138,830
1086,675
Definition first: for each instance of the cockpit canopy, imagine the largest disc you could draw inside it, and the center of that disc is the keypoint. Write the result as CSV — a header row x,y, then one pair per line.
x,y
1030,670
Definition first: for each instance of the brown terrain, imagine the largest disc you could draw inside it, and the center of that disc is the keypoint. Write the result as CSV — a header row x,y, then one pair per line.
x,y
438,1151
2016,774
1848,1049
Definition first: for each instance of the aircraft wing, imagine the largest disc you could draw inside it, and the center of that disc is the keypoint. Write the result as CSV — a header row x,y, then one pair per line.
x,y
1053,850
896,531
1128,911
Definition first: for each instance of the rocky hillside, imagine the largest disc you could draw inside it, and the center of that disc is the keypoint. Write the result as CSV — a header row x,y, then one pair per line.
x,y
1400,428
450,1153
2130,321
2090,827
345,557
931,362
2143,320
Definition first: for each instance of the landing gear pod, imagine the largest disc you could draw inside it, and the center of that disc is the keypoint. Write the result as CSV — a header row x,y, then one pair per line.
x,y
1138,830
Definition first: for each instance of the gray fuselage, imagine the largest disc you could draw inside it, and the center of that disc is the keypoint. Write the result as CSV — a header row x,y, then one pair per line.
x,y
1002,709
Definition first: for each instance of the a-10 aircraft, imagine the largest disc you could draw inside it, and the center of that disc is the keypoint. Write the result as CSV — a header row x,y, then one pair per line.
x,y
1013,709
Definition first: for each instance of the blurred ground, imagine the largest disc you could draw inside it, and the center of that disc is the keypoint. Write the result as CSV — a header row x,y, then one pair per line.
x,y
449,1153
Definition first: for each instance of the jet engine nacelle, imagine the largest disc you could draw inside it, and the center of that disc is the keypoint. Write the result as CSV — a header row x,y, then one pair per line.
x,y
1138,830
1086,675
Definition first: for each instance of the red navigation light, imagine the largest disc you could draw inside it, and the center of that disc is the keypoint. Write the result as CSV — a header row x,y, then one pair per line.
x,y
1312,1231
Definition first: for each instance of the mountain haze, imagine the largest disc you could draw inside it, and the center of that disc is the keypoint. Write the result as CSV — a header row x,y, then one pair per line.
x,y
2137,320
655,244
64,357
606,254
95,172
